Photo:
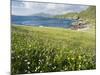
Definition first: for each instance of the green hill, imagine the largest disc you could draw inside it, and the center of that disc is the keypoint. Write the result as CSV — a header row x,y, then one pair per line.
x,y
88,15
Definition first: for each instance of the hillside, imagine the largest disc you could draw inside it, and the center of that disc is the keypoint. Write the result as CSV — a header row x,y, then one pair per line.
x,y
88,15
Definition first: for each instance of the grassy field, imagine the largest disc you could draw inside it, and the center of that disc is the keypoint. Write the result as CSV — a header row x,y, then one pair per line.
x,y
42,49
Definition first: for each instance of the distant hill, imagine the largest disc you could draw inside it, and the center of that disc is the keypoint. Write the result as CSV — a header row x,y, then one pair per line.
x,y
68,15
42,15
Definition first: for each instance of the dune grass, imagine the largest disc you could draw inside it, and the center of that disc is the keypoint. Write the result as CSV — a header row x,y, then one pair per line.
x,y
42,49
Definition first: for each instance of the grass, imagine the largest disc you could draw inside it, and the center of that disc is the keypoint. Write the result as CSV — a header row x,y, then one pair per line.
x,y
42,49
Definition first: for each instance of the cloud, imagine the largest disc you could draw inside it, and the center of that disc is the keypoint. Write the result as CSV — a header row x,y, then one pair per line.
x,y
29,8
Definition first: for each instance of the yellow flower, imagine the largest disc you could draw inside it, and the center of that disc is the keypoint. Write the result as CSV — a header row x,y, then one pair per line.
x,y
79,57
29,45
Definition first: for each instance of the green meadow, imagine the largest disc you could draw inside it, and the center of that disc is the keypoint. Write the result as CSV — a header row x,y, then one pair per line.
x,y
48,49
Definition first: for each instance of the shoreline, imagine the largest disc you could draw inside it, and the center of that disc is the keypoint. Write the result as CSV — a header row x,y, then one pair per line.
x,y
69,28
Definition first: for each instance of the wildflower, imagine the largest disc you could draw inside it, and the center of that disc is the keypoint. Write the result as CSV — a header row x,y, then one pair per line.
x,y
29,45
18,56
79,57
25,60
28,63
72,58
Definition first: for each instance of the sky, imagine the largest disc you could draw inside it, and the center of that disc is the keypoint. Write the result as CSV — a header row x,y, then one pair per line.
x,y
23,8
